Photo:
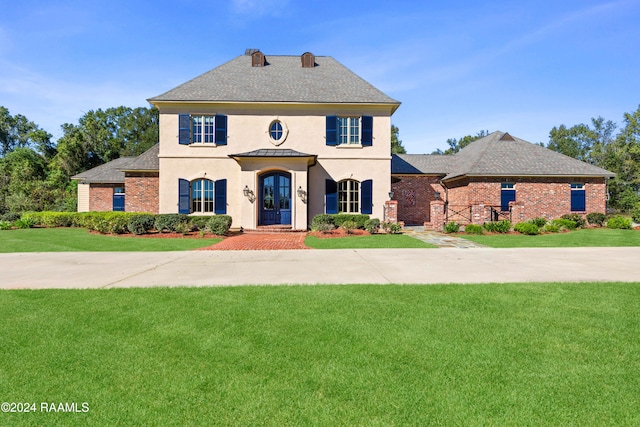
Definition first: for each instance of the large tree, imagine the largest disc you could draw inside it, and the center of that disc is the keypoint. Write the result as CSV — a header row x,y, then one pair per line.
x,y
599,145
456,145
396,143
18,131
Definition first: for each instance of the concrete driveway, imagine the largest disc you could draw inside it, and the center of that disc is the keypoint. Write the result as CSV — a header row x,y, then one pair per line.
x,y
344,266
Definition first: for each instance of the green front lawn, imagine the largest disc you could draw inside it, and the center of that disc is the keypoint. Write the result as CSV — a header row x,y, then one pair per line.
x,y
507,354
370,241
80,240
595,237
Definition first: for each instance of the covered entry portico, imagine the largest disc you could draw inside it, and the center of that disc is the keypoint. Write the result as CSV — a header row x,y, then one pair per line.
x,y
275,186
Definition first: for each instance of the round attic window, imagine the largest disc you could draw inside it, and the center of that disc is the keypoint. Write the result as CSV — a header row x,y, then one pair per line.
x,y
277,132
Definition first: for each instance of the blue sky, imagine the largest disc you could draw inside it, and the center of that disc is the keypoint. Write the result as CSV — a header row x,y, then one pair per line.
x,y
458,67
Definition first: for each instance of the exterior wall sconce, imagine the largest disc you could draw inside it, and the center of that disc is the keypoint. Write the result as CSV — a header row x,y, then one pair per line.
x,y
302,194
437,195
248,193
391,195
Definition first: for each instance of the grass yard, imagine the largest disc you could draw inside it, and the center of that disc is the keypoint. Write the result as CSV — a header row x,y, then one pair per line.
x,y
594,237
370,241
80,240
509,354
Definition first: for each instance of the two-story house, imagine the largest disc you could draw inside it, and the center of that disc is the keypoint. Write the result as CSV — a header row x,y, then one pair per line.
x,y
269,140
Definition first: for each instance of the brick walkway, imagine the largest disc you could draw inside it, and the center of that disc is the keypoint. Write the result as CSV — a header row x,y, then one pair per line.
x,y
260,242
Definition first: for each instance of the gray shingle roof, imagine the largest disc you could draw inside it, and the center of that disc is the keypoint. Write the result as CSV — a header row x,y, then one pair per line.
x,y
282,80
147,161
421,164
497,154
108,173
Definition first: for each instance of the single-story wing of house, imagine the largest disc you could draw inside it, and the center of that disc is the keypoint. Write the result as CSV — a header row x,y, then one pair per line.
x,y
493,178
275,140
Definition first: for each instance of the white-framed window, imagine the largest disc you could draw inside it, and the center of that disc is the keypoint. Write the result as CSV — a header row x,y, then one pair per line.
x,y
202,195
203,129
349,196
278,132
348,130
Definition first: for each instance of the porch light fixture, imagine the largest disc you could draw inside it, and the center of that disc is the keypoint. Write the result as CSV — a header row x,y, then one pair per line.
x,y
302,194
437,195
390,195
247,192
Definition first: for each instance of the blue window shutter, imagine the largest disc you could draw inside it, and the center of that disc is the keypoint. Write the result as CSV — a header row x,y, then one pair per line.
x,y
221,129
332,130
366,197
184,197
331,192
367,131
578,201
220,190
118,202
184,129
506,197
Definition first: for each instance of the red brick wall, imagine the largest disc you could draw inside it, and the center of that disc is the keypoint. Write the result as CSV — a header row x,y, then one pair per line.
x,y
414,194
101,197
142,192
541,197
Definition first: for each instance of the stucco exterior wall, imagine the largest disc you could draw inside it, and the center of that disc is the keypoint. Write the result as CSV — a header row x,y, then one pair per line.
x,y
247,130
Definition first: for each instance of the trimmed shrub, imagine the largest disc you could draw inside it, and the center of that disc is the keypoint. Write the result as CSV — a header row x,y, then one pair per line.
x,y
349,226
577,218
5,225
392,227
141,223
168,223
503,226
451,227
635,213
219,224
619,222
359,219
596,218
321,220
184,227
539,222
528,228
473,229
551,228
199,222
372,225
564,224
324,227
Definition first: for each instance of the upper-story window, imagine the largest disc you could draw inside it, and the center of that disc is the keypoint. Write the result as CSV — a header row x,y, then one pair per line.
x,y
349,130
201,129
277,132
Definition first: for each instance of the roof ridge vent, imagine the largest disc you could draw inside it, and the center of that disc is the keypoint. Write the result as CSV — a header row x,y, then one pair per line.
x,y
506,137
308,60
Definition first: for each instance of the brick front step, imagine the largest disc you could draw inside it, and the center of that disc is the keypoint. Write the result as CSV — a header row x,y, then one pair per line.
x,y
272,229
